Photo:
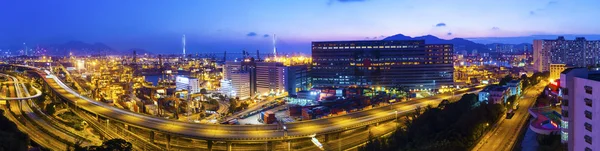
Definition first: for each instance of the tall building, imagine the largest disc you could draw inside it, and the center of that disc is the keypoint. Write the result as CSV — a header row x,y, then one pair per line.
x,y
263,77
577,88
270,77
238,69
241,84
580,88
383,64
298,79
573,53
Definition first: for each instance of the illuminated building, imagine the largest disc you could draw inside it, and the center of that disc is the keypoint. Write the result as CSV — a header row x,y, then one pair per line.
x,y
298,79
241,84
515,87
494,94
384,64
576,53
580,88
270,77
187,83
555,70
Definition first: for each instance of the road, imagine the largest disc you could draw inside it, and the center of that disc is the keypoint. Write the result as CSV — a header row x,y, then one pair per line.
x,y
504,135
252,107
36,134
242,132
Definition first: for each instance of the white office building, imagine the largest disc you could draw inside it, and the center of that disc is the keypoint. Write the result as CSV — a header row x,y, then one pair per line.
x,y
187,83
240,82
270,77
580,88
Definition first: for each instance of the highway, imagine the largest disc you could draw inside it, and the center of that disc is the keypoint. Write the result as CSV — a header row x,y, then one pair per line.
x,y
36,134
504,135
243,132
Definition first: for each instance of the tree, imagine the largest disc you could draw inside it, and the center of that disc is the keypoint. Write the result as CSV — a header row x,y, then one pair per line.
x,y
110,145
505,80
203,91
50,108
511,100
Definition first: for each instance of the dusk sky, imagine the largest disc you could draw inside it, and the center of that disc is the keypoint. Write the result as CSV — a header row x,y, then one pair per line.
x,y
215,26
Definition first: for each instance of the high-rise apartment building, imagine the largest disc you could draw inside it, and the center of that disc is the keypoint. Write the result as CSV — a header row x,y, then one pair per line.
x,y
573,53
580,90
382,64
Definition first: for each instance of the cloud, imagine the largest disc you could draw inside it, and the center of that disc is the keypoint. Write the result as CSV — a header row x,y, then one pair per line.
x,y
440,25
266,35
545,7
449,34
495,28
251,34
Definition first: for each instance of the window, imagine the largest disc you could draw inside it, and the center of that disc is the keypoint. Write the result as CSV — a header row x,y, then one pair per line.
x,y
565,102
588,139
565,91
588,114
588,126
588,89
588,102
565,113
588,149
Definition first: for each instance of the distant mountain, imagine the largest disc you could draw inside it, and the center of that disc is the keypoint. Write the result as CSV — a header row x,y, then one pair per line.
x,y
460,44
76,48
528,39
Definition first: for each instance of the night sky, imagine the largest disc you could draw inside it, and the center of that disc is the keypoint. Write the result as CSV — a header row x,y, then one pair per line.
x,y
218,25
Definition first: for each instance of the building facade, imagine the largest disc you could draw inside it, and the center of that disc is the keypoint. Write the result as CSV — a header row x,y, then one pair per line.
x,y
384,64
580,88
574,53
494,94
270,78
555,70
515,87
298,79
187,83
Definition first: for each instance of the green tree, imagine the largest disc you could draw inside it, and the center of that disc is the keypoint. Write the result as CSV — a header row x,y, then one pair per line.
x,y
50,108
505,80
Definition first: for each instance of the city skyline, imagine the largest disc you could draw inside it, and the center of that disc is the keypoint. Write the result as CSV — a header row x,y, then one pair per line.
x,y
230,25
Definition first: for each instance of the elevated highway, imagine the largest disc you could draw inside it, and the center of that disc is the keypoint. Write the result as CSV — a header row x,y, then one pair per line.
x,y
239,133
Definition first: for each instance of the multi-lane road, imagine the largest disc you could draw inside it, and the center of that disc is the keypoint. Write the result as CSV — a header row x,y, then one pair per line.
x,y
504,135
242,132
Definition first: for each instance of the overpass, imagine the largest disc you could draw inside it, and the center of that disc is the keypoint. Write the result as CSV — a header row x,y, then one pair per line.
x,y
38,93
236,133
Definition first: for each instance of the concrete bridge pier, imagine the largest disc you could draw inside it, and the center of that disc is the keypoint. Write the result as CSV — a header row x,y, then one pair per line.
x,y
332,136
269,146
168,142
151,137
209,145
229,146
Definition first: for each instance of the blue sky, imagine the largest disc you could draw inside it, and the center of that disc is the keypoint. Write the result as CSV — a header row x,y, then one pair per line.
x,y
233,25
